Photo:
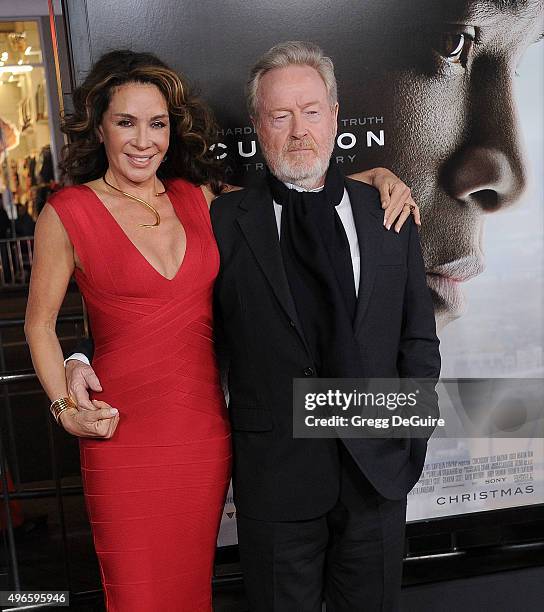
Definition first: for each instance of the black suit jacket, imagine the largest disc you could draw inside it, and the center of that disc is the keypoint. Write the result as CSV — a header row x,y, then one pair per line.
x,y
259,334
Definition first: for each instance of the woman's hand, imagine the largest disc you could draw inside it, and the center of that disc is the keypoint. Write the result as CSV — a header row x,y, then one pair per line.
x,y
396,196
80,379
98,423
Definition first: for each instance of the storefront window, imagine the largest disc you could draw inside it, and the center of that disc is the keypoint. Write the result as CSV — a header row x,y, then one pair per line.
x,y
27,173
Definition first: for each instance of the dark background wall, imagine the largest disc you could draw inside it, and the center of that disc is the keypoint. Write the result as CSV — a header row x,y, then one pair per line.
x,y
215,43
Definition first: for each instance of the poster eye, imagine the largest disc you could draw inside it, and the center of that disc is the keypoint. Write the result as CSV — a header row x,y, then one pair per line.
x,y
454,47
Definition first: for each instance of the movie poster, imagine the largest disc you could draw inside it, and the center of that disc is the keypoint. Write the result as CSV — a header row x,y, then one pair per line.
x,y
449,96
499,335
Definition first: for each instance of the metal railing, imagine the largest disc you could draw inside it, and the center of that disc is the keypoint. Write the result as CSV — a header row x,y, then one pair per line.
x,y
16,256
57,491
9,464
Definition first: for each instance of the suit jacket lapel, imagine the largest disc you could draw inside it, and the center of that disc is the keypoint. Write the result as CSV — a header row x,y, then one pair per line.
x,y
258,225
369,226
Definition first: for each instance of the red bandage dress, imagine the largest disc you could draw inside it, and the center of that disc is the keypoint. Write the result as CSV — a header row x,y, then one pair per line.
x,y
155,490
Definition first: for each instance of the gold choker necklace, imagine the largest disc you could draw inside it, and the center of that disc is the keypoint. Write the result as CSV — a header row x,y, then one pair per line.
x,y
146,204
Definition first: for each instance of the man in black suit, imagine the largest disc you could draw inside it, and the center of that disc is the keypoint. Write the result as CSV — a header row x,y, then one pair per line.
x,y
316,517
312,284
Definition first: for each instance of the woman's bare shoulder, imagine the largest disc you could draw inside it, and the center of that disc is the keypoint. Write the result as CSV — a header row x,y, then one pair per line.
x,y
96,185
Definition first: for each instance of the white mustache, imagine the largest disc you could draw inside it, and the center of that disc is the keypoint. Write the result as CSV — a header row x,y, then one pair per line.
x,y
301,144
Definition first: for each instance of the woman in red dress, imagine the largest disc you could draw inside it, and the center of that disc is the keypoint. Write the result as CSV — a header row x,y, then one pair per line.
x,y
135,231
156,470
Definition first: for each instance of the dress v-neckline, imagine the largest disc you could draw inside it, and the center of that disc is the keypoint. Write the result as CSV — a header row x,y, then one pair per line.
x,y
122,231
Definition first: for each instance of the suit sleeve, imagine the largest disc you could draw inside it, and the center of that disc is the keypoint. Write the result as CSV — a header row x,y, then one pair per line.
x,y
85,347
419,355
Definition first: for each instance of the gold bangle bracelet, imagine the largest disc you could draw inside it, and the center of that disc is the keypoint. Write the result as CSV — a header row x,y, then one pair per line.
x,y
60,405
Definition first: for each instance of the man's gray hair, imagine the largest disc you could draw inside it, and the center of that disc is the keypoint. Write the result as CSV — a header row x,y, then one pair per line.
x,y
282,55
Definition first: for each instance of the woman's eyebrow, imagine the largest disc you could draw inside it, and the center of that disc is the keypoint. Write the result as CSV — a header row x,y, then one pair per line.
x,y
129,116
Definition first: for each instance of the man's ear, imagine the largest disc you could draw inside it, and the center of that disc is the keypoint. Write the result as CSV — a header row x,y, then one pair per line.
x,y
335,112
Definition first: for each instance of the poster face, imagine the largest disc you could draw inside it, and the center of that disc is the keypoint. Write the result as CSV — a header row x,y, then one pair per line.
x,y
448,95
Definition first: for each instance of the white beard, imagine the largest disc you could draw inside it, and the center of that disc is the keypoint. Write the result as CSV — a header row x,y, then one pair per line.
x,y
305,174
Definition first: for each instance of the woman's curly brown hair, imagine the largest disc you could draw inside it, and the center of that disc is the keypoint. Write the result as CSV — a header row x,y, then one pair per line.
x,y
193,129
